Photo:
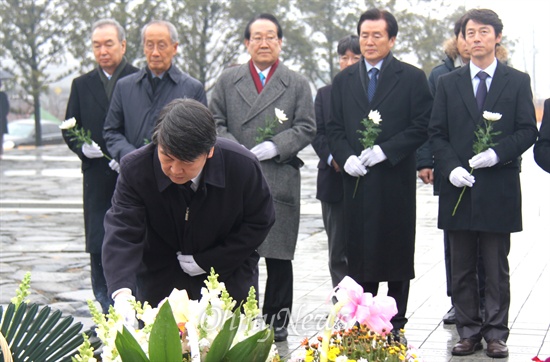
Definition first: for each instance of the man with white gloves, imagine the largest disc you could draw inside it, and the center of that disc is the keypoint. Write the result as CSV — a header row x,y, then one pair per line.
x,y
183,204
88,104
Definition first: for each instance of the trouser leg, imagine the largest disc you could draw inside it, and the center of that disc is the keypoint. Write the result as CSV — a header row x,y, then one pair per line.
x,y
99,284
278,292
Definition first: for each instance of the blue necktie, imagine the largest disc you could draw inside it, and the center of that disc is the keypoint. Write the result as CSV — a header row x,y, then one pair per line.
x,y
372,83
262,78
481,89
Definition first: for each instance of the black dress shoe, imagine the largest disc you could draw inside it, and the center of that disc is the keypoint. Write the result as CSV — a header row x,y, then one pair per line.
x,y
280,334
449,317
497,349
466,346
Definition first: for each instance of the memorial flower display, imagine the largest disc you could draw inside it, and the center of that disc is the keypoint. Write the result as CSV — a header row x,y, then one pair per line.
x,y
180,329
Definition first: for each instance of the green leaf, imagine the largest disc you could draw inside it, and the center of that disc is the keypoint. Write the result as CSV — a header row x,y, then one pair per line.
x,y
254,348
128,348
7,317
222,342
164,341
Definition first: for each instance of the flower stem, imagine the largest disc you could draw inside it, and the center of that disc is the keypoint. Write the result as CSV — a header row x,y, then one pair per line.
x,y
461,194
107,157
356,184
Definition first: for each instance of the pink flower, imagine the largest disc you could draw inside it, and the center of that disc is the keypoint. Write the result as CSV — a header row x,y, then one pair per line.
x,y
375,312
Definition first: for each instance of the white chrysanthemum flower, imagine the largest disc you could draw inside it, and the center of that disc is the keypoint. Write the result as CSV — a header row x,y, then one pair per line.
x,y
341,359
375,117
490,116
280,114
68,124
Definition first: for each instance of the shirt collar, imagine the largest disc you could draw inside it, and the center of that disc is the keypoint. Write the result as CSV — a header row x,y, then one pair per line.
x,y
265,72
377,66
474,69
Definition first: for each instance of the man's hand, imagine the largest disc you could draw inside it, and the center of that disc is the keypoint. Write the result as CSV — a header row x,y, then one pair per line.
x,y
265,150
189,266
372,156
487,158
122,298
460,177
92,151
114,165
426,175
335,166
354,167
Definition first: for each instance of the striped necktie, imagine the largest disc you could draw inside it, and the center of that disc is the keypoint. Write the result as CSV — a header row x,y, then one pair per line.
x,y
372,83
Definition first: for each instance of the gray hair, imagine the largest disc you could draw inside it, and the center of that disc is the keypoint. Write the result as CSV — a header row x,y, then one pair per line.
x,y
110,22
171,29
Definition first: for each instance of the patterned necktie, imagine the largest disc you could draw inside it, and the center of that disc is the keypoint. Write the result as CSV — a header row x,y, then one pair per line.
x,y
481,93
262,78
372,83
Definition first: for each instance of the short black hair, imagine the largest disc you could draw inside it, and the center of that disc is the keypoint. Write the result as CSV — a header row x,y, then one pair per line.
x,y
265,16
458,25
376,14
185,129
483,16
349,42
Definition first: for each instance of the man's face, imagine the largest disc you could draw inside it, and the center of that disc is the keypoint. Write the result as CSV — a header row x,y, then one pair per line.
x,y
108,50
179,171
158,48
374,40
348,59
263,46
481,40
462,47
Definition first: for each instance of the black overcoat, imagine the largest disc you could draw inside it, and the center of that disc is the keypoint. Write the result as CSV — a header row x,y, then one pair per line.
x,y
88,104
542,146
381,217
149,222
493,204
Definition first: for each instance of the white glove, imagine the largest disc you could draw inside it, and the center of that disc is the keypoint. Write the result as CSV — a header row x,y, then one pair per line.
x,y
354,167
122,298
92,151
114,165
372,155
460,177
189,266
483,159
265,150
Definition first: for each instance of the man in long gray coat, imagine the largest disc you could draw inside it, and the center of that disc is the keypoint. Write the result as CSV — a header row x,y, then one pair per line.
x,y
247,100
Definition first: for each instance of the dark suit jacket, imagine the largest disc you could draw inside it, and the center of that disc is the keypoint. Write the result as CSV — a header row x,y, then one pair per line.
x,y
329,182
88,104
542,146
382,216
149,222
493,204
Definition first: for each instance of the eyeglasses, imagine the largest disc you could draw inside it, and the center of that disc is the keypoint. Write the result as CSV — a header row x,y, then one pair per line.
x,y
268,40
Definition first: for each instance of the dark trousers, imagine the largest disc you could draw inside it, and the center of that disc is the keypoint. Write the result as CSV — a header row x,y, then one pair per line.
x,y
398,290
494,249
480,271
99,284
278,292
333,220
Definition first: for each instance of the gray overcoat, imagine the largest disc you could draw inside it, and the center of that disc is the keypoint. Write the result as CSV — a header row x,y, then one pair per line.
x,y
239,110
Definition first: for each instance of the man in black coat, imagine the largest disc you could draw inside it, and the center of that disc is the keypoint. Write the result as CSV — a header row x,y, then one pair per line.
x,y
542,146
381,216
491,206
184,204
329,176
88,104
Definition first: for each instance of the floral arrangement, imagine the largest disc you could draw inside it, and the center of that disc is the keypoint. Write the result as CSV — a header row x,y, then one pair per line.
x,y
267,132
180,329
358,329
484,140
369,134
78,134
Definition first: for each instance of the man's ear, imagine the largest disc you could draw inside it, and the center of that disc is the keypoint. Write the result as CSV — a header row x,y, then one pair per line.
x,y
210,153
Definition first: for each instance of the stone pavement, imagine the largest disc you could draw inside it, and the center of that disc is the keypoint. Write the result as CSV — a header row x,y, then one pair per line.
x,y
41,230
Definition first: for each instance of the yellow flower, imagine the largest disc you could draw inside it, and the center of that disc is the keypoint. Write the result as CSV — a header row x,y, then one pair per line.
x,y
68,124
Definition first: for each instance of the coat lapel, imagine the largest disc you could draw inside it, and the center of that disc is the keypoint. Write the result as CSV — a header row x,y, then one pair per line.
x,y
96,88
356,85
464,85
500,79
387,80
